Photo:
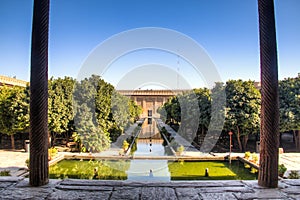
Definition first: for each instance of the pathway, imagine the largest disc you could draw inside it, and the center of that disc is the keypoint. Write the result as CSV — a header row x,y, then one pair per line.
x,y
178,138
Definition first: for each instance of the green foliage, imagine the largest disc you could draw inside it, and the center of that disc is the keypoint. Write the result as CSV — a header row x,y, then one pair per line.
x,y
289,104
114,132
180,149
102,114
134,110
294,174
125,145
5,173
204,103
253,170
123,113
167,135
218,107
171,111
103,103
174,144
120,111
27,162
91,113
14,110
60,105
254,157
247,154
281,169
242,110
247,166
91,136
52,152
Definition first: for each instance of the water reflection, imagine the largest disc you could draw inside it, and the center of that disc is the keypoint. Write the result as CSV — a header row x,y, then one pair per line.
x,y
149,143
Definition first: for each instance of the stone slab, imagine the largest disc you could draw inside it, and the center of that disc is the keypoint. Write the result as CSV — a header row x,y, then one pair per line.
x,y
158,193
70,195
187,194
293,182
224,189
32,193
126,193
254,185
218,196
6,184
10,179
84,188
292,190
262,194
153,183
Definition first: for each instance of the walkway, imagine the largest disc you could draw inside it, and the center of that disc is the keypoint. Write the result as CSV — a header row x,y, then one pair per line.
x,y
13,161
18,188
180,140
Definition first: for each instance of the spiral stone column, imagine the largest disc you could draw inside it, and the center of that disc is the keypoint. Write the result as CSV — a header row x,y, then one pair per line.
x,y
269,131
39,95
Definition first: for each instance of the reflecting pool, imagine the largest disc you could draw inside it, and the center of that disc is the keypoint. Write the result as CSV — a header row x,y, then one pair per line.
x,y
143,167
123,170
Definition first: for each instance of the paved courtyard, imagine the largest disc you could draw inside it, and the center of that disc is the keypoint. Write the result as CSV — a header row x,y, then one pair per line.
x,y
18,188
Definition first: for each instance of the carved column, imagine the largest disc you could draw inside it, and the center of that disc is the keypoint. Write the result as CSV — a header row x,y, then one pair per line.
x,y
39,95
269,131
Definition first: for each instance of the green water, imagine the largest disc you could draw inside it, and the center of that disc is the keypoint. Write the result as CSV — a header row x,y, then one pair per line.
x,y
181,170
84,169
217,170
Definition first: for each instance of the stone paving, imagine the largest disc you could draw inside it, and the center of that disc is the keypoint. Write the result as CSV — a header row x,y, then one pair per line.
x,y
18,188
13,161
15,187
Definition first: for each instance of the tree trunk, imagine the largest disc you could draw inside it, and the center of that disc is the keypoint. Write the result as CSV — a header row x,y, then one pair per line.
x,y
297,139
245,141
39,95
12,140
239,139
54,138
269,129
294,135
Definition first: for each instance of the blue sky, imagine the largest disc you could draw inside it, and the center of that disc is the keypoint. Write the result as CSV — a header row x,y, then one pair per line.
x,y
227,31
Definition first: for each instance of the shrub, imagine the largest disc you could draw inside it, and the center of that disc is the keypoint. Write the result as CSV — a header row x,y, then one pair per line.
x,y
281,169
253,170
180,149
247,155
5,173
254,157
27,162
294,174
247,165
52,152
125,145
